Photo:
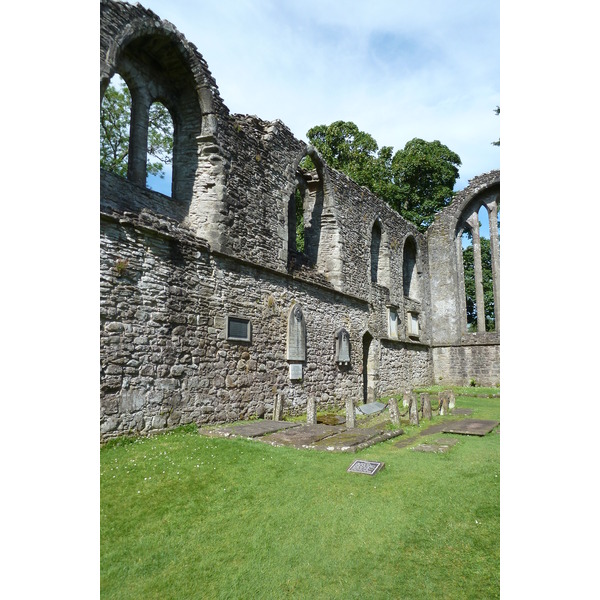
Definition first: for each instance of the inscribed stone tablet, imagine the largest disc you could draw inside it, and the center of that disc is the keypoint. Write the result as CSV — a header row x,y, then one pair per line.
x,y
366,467
295,371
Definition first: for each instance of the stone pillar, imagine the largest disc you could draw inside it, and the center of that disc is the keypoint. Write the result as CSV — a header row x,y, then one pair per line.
x,y
413,410
311,411
394,411
495,248
138,139
426,406
278,405
350,417
473,222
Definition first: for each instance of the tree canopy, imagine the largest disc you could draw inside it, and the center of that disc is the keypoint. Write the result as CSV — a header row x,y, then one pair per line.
x,y
115,117
417,181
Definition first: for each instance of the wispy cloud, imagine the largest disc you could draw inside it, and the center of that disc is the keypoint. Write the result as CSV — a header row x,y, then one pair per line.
x,y
399,70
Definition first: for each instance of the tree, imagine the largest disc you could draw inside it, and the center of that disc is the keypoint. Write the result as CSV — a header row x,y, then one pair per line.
x,y
425,173
488,285
416,181
115,118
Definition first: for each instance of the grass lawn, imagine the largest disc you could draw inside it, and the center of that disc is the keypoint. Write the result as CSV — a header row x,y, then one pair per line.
x,y
186,516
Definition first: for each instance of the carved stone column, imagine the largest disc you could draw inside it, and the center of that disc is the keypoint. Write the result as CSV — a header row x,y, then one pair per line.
x,y
473,222
495,247
138,138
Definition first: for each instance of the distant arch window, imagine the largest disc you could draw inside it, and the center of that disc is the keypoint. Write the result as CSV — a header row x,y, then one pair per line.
x,y
410,279
375,252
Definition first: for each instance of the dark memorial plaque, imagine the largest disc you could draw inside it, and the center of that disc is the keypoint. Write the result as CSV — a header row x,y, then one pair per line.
x,y
366,467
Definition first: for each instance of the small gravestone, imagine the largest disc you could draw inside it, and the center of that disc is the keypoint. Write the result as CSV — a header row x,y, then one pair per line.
x,y
451,400
413,410
366,467
426,406
406,398
311,411
394,411
278,405
350,417
443,403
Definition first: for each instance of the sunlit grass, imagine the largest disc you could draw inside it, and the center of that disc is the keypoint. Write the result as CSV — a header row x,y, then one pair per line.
x,y
187,516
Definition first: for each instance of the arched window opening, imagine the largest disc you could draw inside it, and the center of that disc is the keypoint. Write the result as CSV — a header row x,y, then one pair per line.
x,y
478,274
159,159
410,280
375,251
296,225
469,276
115,121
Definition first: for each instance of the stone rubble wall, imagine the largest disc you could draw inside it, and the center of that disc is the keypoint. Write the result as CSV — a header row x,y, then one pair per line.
x,y
173,268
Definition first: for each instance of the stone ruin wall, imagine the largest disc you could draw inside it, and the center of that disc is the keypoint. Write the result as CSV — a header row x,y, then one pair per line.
x,y
222,249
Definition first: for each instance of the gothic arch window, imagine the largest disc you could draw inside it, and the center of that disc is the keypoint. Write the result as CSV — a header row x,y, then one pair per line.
x,y
410,276
376,253
158,75
480,258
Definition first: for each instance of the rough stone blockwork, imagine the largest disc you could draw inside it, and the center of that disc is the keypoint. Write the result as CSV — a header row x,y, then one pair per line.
x,y
197,288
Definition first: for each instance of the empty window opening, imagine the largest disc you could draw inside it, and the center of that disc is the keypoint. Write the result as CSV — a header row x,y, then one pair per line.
x,y
479,281
375,252
159,159
410,280
115,120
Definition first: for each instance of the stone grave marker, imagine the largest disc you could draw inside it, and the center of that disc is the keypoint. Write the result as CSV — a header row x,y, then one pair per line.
x,y
277,408
394,411
443,403
311,411
350,416
366,467
413,410
406,399
451,399
426,406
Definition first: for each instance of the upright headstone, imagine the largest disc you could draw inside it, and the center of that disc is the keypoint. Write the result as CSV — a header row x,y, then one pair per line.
x,y
350,417
413,410
311,411
406,398
394,411
277,406
296,341
443,405
451,399
342,347
426,406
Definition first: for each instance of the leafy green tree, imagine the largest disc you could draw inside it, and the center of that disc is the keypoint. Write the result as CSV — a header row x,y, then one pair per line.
x,y
115,118
425,173
488,286
416,181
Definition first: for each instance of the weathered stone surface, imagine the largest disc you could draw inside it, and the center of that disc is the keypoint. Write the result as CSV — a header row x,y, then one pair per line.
x,y
311,411
394,411
413,410
224,244
426,406
479,427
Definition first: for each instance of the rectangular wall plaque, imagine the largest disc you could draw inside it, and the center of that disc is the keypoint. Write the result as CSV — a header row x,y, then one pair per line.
x,y
295,371
366,467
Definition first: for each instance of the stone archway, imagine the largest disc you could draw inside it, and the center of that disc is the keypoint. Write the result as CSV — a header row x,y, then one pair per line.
x,y
370,368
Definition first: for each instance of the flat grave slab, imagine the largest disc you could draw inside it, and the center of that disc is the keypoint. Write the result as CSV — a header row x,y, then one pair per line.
x,y
331,419
437,446
371,408
255,429
349,438
462,411
303,435
366,467
471,427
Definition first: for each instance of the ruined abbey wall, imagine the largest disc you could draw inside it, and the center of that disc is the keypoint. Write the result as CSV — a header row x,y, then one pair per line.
x,y
176,272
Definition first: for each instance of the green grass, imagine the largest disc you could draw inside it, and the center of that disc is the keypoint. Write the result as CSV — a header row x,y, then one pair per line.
x,y
186,516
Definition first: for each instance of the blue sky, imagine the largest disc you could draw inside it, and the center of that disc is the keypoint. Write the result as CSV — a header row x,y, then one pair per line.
x,y
398,69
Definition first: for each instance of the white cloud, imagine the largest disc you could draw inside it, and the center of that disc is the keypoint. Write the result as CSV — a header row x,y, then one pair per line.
x,y
399,70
